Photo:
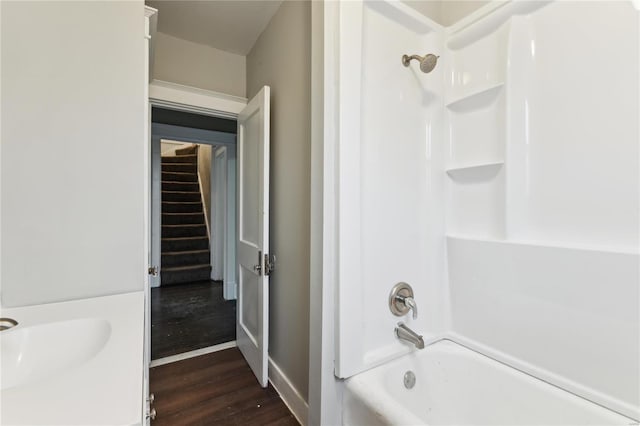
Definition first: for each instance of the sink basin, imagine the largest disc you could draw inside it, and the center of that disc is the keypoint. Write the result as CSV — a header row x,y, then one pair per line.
x,y
33,353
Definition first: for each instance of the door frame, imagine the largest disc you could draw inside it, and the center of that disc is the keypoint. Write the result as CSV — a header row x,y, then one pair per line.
x,y
192,99
216,140
150,26
179,97
223,190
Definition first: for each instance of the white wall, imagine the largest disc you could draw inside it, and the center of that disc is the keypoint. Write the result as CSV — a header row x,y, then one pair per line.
x,y
192,64
281,59
168,148
204,170
73,113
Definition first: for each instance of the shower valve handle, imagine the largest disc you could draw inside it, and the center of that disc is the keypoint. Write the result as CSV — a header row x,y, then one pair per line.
x,y
411,304
401,300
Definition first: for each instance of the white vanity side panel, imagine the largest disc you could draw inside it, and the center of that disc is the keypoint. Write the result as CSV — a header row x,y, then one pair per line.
x,y
73,119
391,224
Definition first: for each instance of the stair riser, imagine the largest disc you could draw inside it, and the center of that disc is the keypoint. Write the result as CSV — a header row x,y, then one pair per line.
x,y
184,231
185,259
182,218
182,245
184,159
192,207
178,167
180,177
180,196
180,186
179,277
181,205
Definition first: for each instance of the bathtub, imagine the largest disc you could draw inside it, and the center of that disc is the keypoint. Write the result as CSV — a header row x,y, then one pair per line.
x,y
457,386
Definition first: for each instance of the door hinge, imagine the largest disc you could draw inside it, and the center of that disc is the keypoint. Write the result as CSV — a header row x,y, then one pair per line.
x,y
153,271
269,263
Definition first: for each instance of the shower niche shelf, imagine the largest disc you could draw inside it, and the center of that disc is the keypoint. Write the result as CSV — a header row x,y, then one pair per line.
x,y
475,172
477,99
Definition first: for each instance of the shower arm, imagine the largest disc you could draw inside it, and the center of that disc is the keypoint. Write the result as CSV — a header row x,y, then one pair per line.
x,y
406,59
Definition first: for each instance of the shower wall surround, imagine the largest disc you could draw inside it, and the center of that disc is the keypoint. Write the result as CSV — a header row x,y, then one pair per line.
x,y
547,277
503,186
391,179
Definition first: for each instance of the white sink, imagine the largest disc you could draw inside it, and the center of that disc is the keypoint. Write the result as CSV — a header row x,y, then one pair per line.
x,y
37,352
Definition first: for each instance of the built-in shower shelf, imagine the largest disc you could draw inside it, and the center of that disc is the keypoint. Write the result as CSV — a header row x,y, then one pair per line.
x,y
478,171
477,99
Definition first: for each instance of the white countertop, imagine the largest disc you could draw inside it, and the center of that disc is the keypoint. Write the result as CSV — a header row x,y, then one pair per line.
x,y
105,390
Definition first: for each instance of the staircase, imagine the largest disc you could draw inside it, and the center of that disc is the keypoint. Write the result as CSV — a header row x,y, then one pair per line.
x,y
185,242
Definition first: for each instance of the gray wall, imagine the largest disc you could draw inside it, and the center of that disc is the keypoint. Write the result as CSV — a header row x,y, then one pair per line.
x,y
281,59
192,64
429,8
72,135
454,10
446,12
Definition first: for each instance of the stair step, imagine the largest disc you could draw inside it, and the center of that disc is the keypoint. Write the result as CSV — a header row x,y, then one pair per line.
x,y
189,159
182,207
176,231
184,244
180,186
185,258
179,167
193,149
182,218
180,196
179,176
185,274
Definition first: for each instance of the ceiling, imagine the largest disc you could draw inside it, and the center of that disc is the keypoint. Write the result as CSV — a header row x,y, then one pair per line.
x,y
233,26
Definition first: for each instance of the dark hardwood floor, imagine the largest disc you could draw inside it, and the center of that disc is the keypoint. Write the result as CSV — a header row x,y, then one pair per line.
x,y
214,389
186,317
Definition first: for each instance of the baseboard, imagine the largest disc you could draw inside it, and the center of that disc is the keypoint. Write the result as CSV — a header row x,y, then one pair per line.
x,y
288,393
192,354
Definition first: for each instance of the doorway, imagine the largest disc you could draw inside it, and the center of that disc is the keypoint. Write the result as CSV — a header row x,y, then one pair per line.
x,y
192,299
249,196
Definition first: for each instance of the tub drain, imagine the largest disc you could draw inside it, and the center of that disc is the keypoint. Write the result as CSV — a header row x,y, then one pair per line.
x,y
409,379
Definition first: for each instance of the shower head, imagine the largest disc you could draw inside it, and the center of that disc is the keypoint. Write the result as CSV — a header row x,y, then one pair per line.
x,y
427,62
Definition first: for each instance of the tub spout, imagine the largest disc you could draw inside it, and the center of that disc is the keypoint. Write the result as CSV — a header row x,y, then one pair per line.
x,y
405,333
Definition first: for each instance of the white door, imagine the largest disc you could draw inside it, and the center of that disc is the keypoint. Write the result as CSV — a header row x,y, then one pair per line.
x,y
252,326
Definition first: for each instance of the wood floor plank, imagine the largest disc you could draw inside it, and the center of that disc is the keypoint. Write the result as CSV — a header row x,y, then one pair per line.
x,y
191,316
175,401
214,389
222,410
228,371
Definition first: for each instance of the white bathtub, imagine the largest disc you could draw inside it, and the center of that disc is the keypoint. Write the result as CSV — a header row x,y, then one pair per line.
x,y
457,386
